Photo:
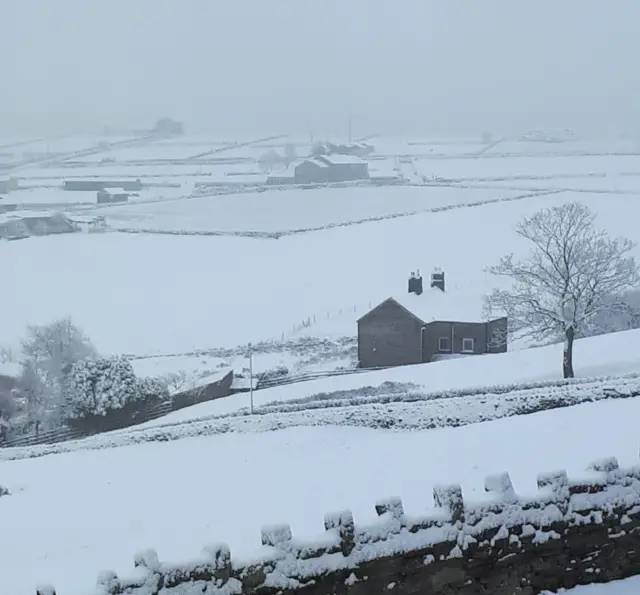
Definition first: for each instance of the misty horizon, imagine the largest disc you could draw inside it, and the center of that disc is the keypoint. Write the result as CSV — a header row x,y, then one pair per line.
x,y
250,67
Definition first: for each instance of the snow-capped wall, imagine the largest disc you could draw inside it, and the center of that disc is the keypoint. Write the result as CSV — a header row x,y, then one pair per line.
x,y
572,532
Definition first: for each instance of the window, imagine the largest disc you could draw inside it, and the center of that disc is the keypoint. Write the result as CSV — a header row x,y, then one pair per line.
x,y
444,344
468,345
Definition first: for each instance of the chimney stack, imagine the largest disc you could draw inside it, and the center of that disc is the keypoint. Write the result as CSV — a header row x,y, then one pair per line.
x,y
415,283
437,279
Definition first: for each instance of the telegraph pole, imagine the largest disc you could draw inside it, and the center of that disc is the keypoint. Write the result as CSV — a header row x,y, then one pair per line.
x,y
350,115
251,378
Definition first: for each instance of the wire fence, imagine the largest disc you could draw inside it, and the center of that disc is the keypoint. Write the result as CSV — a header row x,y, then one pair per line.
x,y
353,312
66,433
163,408
295,379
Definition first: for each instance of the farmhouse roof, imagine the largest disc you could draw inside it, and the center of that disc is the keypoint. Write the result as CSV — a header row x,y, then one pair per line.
x,y
436,305
341,159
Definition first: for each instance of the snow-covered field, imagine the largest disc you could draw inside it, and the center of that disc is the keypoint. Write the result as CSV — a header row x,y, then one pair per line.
x,y
630,586
495,167
79,512
611,183
59,198
152,172
93,510
607,355
294,209
180,294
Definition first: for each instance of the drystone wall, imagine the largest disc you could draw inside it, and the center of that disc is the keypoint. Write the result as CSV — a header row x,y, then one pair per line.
x,y
572,532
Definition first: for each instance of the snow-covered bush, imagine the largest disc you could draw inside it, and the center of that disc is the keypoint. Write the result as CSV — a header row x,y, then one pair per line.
x,y
4,491
177,381
152,389
96,387
272,373
105,394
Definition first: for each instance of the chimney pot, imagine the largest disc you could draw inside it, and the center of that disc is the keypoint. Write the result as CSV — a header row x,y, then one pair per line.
x,y
437,279
415,284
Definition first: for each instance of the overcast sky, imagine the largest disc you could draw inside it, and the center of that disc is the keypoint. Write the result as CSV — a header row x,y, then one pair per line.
x,y
289,66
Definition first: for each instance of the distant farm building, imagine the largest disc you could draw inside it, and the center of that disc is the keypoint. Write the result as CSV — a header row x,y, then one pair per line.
x,y
357,149
168,126
23,224
426,325
326,169
95,185
8,185
281,177
112,196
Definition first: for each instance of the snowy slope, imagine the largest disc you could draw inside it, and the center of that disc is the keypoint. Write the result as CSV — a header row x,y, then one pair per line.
x,y
186,293
293,209
505,167
607,355
630,586
178,496
72,515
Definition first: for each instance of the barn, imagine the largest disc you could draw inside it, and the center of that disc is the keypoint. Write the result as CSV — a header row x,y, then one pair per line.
x,y
112,195
17,225
95,185
331,169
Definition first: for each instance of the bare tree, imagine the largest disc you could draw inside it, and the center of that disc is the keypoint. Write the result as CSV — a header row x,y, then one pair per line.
x,y
48,352
290,153
498,339
574,274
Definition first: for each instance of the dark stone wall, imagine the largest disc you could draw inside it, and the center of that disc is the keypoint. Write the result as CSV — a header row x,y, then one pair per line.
x,y
454,332
214,390
572,533
389,336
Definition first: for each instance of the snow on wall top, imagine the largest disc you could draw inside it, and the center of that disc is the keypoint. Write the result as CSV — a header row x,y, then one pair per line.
x,y
287,172
456,526
13,215
336,159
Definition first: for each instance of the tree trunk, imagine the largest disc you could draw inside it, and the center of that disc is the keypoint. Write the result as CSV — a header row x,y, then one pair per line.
x,y
567,356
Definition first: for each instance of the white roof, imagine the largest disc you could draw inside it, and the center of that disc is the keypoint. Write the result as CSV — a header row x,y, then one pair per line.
x,y
243,383
287,172
216,376
317,162
14,215
446,306
113,190
342,159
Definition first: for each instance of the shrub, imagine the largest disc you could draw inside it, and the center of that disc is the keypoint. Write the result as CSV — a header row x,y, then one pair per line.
x,y
152,389
96,387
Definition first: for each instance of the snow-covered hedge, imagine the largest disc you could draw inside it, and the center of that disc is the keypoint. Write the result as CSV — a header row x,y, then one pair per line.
x,y
412,410
97,387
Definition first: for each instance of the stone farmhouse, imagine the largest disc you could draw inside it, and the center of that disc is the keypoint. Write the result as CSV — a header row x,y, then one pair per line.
x,y
424,326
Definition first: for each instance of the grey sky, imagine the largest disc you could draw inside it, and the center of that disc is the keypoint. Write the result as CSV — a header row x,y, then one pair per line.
x,y
267,66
